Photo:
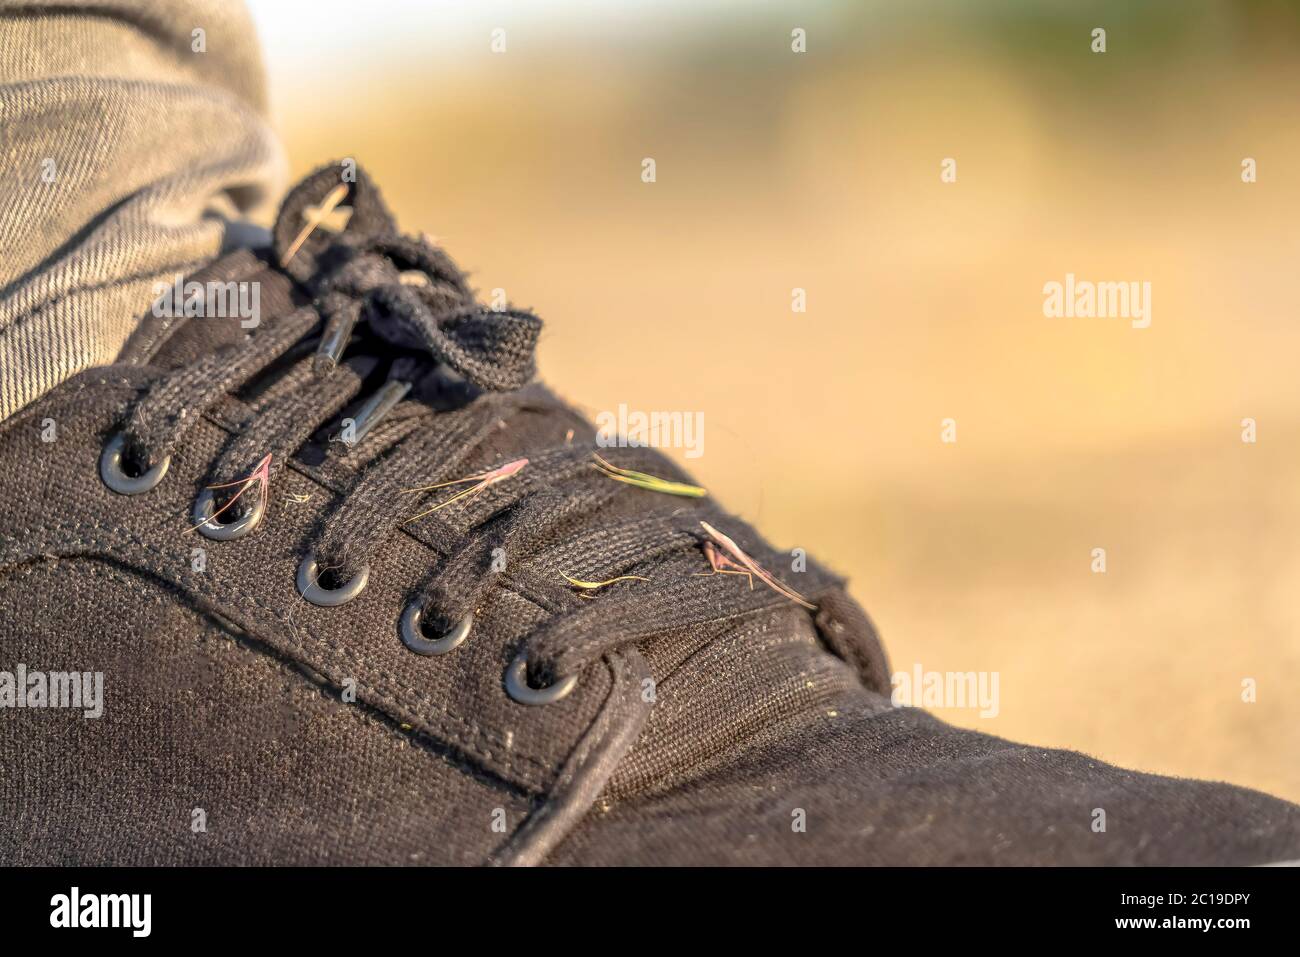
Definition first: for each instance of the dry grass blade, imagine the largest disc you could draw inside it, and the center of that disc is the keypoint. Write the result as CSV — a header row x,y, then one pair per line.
x,y
651,483
482,481
592,586
744,565
260,476
317,216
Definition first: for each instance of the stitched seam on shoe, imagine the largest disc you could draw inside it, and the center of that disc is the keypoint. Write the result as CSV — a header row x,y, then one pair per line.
x,y
111,568
478,746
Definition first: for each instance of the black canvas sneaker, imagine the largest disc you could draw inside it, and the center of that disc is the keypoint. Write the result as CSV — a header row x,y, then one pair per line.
x,y
318,573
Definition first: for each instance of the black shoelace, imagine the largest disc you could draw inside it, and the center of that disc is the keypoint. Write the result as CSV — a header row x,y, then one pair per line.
x,y
407,303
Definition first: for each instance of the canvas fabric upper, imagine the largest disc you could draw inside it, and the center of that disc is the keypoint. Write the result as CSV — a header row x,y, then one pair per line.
x,y
225,692
243,725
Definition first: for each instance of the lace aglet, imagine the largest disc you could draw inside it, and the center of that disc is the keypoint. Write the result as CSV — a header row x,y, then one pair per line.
x,y
374,409
334,340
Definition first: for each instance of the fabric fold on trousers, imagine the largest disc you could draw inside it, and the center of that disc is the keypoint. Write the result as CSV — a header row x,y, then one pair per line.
x,y
134,133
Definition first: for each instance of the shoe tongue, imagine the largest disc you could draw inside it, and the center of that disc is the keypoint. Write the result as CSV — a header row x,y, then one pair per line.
x,y
211,309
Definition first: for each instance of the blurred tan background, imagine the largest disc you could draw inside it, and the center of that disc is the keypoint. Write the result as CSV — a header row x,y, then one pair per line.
x,y
821,170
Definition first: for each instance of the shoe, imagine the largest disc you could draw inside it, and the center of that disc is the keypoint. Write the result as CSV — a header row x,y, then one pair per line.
x,y
317,573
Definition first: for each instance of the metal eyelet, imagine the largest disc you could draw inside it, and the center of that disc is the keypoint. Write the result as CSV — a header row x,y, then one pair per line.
x,y
519,689
220,531
414,638
110,470
317,594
